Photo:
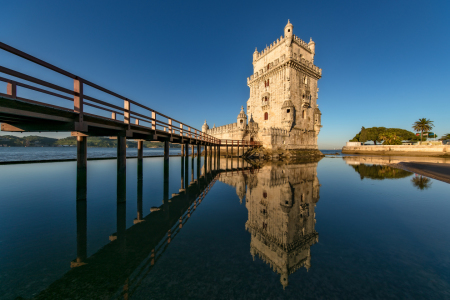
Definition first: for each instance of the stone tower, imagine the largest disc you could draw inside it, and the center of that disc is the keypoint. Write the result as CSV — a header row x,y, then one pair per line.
x,y
284,92
283,97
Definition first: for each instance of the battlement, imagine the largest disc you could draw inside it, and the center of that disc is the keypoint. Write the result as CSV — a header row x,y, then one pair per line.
x,y
223,129
275,131
278,42
301,43
282,59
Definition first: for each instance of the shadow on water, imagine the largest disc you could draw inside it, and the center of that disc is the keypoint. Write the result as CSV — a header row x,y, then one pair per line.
x,y
117,268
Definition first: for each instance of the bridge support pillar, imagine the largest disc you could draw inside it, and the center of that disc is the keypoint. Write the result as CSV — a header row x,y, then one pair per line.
x,y
198,149
192,150
81,152
182,175
121,153
140,184
166,181
166,150
182,150
140,149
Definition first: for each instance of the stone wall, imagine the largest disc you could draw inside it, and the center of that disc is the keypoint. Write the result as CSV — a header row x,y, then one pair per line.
x,y
408,150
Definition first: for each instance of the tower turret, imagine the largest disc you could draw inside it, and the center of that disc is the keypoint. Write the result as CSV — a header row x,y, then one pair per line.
x,y
288,33
255,54
312,46
317,120
205,127
242,119
288,113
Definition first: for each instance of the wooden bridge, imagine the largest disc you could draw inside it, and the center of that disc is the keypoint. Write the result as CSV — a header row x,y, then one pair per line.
x,y
117,117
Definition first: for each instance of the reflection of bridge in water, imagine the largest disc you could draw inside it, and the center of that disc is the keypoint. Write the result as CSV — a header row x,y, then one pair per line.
x,y
280,200
117,269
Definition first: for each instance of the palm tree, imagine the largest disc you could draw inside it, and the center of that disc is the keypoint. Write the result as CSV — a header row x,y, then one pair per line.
x,y
445,137
422,125
420,182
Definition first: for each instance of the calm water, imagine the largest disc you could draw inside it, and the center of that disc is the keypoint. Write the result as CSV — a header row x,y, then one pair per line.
x,y
56,153
328,230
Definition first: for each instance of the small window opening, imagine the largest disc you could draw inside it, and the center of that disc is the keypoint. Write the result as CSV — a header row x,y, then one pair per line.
x,y
288,111
268,66
289,30
303,96
242,121
266,116
286,202
264,195
303,114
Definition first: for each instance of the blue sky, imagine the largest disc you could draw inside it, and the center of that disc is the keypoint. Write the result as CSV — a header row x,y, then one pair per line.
x,y
385,63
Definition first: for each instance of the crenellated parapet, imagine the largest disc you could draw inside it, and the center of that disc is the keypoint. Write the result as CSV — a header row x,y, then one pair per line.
x,y
275,132
229,128
295,61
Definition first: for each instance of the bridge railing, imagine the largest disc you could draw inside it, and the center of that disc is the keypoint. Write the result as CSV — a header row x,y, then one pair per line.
x,y
151,119
234,143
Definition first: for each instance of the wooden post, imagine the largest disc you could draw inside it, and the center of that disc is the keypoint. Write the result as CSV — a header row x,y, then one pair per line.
x,y
166,150
113,115
140,149
153,120
198,162
140,185
81,232
78,98
81,152
192,150
198,149
182,150
121,154
182,175
126,111
166,181
11,89
181,129
170,126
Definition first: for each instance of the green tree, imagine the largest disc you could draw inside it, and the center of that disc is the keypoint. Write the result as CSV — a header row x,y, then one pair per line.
x,y
445,137
377,172
363,135
420,182
390,138
422,125
373,134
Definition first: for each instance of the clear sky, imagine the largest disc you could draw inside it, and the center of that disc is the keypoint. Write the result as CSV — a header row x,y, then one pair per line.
x,y
385,63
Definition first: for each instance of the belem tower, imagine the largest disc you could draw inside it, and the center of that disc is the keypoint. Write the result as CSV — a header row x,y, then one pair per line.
x,y
282,111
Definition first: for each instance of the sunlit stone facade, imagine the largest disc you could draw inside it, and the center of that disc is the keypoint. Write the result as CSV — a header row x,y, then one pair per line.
x,y
281,201
282,110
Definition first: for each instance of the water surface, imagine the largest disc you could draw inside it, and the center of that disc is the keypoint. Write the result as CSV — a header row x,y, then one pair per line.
x,y
324,229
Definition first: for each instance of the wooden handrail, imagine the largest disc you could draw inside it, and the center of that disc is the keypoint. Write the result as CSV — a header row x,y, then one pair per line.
x,y
79,97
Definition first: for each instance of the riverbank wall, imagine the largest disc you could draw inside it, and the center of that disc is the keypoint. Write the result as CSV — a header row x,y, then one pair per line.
x,y
400,150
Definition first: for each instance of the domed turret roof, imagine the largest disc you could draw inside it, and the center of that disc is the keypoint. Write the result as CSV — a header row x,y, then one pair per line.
x,y
287,103
205,126
242,113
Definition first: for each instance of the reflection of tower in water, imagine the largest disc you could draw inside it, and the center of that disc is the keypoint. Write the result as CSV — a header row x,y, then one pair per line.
x,y
280,200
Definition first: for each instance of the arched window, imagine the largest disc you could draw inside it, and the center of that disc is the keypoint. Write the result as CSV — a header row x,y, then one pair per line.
x,y
303,114
266,116
264,195
267,82
242,121
268,66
